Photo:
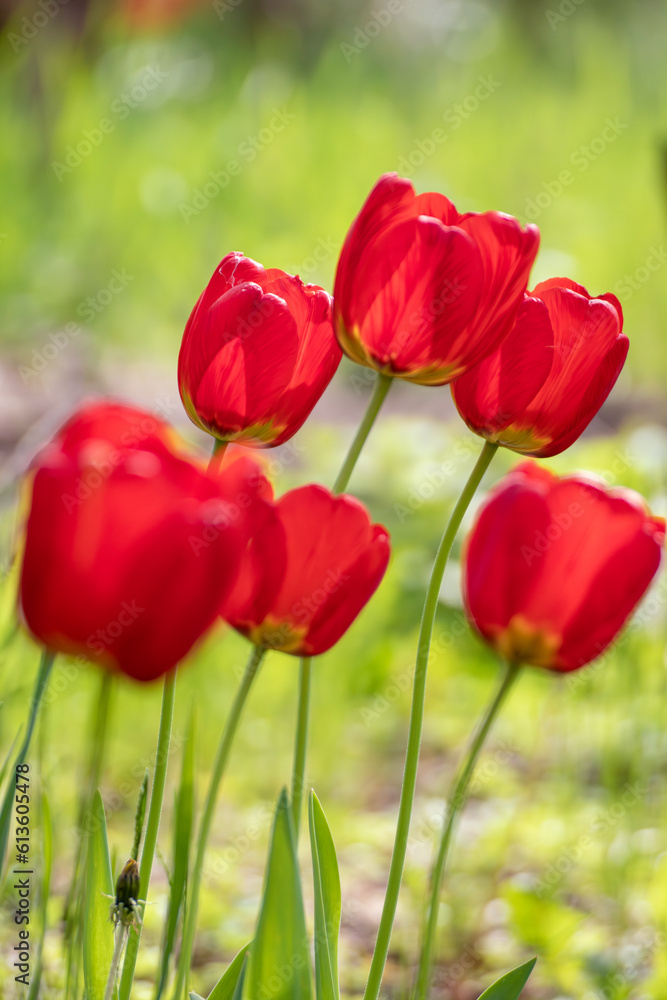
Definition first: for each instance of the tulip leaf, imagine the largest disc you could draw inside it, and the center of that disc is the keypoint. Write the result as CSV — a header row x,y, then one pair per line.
x,y
46,824
328,907
509,986
279,957
183,813
98,937
227,986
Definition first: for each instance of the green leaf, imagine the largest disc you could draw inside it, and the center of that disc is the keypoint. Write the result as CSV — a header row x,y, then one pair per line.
x,y
184,813
328,904
279,958
509,986
98,938
228,984
44,888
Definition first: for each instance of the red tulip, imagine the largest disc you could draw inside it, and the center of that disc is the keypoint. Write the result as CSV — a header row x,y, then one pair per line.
x,y
128,551
422,292
258,352
554,567
548,379
309,572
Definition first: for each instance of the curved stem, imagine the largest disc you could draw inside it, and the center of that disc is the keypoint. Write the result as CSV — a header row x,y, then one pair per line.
x,y
377,399
152,826
416,722
301,742
455,803
222,755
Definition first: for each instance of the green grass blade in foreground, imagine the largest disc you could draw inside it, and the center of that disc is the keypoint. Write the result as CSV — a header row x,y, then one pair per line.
x,y
44,888
98,938
509,986
8,802
183,813
227,986
281,941
328,905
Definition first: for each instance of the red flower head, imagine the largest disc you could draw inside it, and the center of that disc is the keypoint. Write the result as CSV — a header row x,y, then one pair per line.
x,y
308,573
258,352
422,292
549,378
128,551
554,567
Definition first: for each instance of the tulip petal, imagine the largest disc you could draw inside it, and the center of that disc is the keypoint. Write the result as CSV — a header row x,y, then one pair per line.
x,y
508,253
249,372
612,596
429,282
497,390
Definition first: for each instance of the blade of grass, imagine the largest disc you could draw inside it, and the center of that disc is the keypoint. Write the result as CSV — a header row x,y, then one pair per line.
x,y
98,937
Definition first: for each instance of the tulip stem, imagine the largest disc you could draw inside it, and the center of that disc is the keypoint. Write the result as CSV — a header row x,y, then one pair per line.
x,y
381,389
301,742
152,825
455,803
194,882
416,722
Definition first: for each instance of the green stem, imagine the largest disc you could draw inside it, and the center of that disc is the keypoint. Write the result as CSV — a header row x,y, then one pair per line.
x,y
455,803
194,882
416,722
301,742
115,961
152,826
377,399
45,665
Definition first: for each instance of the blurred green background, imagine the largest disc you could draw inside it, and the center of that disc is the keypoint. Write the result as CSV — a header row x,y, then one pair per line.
x,y
120,125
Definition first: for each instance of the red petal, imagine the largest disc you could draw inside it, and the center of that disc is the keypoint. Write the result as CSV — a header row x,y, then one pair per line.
x,y
495,392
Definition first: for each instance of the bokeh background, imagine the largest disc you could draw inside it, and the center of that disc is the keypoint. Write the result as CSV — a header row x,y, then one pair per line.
x,y
143,140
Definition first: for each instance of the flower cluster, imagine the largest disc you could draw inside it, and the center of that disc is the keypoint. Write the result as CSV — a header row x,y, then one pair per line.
x,y
134,548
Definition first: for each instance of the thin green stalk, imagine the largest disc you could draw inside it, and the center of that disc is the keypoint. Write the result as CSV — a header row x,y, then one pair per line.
x,y
45,666
194,882
152,826
455,803
121,931
416,722
382,385
301,742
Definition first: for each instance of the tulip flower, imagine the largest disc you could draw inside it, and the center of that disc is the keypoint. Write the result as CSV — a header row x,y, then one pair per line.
x,y
330,560
258,352
545,383
423,292
554,567
128,551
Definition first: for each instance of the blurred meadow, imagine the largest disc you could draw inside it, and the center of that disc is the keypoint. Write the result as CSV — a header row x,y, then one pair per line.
x,y
140,143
